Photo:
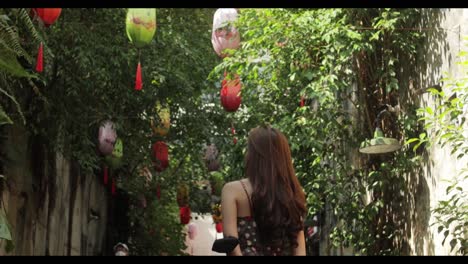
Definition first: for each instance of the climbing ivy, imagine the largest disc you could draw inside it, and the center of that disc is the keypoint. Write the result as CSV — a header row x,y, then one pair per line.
x,y
346,63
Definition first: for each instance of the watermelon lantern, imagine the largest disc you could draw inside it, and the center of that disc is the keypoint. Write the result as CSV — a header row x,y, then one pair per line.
x,y
107,137
224,35
48,16
164,115
114,160
211,158
140,27
184,213
230,94
161,156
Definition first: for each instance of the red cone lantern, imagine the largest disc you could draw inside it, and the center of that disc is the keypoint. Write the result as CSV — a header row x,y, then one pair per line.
x,y
230,94
184,215
161,155
48,16
219,227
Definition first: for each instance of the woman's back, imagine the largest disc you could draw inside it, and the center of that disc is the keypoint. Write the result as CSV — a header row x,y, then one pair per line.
x,y
266,210
249,241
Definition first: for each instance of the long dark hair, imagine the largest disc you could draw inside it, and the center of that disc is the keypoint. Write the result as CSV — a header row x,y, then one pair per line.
x,y
278,199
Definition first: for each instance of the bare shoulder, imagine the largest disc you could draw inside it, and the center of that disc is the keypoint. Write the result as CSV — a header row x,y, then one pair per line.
x,y
232,188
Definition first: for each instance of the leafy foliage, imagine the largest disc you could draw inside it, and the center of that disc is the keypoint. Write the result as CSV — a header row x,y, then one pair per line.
x,y
445,125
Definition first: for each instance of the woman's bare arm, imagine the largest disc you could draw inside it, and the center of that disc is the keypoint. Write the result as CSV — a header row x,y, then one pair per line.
x,y
229,212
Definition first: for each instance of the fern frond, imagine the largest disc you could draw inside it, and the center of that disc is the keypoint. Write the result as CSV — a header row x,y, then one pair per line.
x,y
16,103
11,40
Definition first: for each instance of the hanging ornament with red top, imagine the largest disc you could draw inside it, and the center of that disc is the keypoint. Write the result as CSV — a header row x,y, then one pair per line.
x,y
47,16
141,27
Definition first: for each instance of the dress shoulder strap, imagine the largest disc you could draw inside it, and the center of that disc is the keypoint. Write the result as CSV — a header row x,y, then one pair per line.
x,y
248,197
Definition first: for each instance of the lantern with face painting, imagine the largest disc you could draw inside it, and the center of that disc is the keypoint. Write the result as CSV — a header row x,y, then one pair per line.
x,y
224,35
107,137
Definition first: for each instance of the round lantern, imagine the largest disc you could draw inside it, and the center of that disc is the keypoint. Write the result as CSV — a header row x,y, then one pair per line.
x,y
107,137
192,231
211,158
165,120
140,27
114,160
230,94
161,156
48,16
184,213
183,195
224,35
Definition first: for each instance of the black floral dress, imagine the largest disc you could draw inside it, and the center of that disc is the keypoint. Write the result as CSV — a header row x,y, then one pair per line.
x,y
248,237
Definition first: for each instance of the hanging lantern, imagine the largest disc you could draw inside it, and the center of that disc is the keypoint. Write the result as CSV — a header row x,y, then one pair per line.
x,y
183,195
184,213
217,183
219,227
211,158
224,35
165,120
114,160
161,155
140,26
230,94
146,173
48,16
192,231
107,137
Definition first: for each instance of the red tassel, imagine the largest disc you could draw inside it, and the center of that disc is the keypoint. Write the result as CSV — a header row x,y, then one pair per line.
x,y
113,187
106,175
138,83
39,62
302,101
158,192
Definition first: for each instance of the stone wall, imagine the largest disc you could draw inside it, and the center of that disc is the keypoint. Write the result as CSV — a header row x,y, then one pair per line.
x,y
53,209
